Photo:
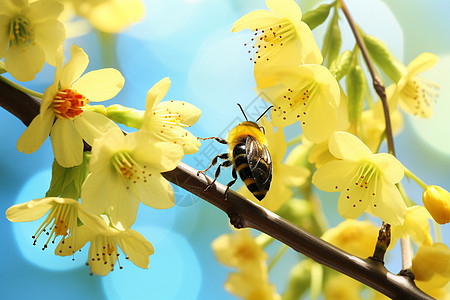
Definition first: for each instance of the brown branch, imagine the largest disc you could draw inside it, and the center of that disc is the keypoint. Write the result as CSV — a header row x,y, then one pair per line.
x,y
244,213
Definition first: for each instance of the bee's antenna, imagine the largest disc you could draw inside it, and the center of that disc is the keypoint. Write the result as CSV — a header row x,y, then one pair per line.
x,y
263,113
242,111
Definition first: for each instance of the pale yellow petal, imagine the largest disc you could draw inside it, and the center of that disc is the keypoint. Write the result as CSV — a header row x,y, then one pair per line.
x,y
93,198
67,143
320,119
29,211
285,8
351,204
104,148
345,145
189,113
24,61
157,193
114,16
84,235
156,94
136,248
123,202
256,19
165,156
4,35
44,10
36,133
417,224
293,175
74,68
92,125
334,176
100,85
389,205
421,63
391,168
49,35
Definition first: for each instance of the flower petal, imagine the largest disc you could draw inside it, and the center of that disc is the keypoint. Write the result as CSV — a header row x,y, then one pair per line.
x,y
421,63
123,203
154,96
36,133
29,211
256,19
100,85
24,61
43,10
67,143
94,199
285,8
4,35
334,176
351,204
136,248
74,68
157,193
92,125
114,16
389,205
293,175
391,168
84,234
49,35
189,113
345,145
164,156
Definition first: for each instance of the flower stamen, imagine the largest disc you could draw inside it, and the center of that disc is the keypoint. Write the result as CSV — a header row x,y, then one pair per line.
x,y
68,104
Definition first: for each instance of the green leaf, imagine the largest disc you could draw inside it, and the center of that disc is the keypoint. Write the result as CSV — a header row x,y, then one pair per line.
x,y
317,16
341,65
332,41
383,58
66,182
355,83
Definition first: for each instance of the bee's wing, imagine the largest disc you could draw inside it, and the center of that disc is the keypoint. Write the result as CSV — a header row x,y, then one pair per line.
x,y
260,162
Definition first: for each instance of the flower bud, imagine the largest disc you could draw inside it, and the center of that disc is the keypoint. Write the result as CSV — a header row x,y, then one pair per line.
x,y
437,201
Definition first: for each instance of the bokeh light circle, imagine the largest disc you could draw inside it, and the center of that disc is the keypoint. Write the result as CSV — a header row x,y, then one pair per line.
x,y
174,270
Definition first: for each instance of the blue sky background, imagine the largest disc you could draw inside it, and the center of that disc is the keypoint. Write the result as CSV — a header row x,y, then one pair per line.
x,y
191,42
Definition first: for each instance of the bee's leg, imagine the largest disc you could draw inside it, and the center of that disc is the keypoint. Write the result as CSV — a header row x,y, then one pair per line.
x,y
220,140
229,184
224,164
214,162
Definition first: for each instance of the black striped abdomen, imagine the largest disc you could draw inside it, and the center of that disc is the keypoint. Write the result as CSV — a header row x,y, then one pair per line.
x,y
244,171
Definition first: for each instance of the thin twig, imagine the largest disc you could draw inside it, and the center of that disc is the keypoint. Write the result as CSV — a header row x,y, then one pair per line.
x,y
245,213
376,81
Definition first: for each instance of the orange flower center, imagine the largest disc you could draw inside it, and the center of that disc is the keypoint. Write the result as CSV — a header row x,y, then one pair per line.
x,y
68,104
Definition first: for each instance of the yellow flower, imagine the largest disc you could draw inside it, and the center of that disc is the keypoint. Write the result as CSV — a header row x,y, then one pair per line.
x,y
61,221
284,175
342,287
239,249
308,94
66,99
416,226
103,252
356,237
366,180
30,35
126,170
374,124
437,201
251,285
431,266
414,94
280,35
112,16
166,120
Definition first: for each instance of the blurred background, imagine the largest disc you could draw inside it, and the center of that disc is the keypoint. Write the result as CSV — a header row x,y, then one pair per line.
x,y
191,42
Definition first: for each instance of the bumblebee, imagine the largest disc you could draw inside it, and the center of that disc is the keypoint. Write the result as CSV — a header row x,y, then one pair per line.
x,y
249,156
